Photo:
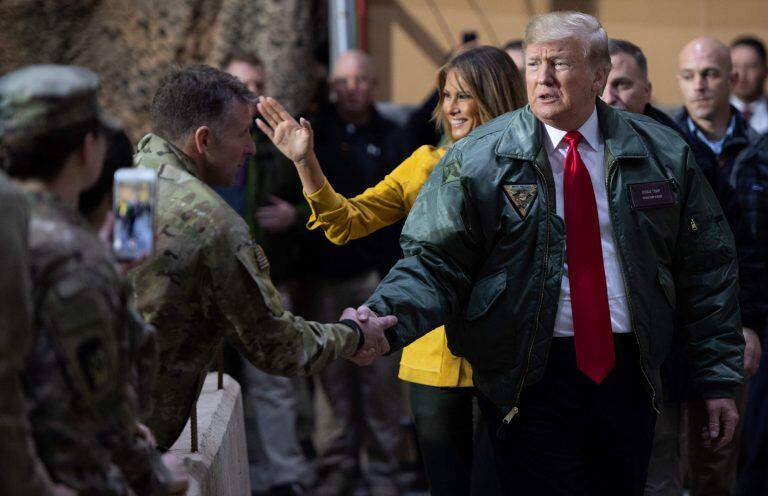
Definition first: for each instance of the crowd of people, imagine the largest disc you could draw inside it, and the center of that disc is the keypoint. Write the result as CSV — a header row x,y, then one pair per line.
x,y
569,279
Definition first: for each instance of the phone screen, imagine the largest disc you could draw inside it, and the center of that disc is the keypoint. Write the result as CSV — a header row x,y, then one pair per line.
x,y
134,210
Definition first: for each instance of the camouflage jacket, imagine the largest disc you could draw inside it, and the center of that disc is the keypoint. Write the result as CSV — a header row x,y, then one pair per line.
x,y
207,282
20,469
81,377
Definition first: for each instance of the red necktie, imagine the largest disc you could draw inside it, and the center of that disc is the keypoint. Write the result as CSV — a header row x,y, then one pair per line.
x,y
589,295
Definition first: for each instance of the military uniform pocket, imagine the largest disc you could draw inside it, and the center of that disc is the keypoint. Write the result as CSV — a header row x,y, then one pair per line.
x,y
706,243
485,292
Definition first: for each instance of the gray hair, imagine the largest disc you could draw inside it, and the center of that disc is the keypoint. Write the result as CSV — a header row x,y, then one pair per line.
x,y
556,26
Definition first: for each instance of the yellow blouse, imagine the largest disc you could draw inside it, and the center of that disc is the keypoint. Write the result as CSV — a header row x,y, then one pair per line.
x,y
427,360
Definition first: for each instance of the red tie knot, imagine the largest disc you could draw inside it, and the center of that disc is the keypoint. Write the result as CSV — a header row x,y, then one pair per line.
x,y
573,138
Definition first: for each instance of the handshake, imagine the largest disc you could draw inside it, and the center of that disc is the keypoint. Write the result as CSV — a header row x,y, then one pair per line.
x,y
374,343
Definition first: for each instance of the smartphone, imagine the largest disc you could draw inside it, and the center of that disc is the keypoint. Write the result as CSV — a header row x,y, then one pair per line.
x,y
134,209
468,36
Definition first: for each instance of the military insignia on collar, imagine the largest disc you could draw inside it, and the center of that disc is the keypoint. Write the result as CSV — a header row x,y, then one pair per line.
x,y
521,196
261,258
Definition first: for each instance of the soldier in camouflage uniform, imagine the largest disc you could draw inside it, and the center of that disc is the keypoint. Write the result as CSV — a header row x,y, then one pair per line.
x,y
209,281
20,470
81,378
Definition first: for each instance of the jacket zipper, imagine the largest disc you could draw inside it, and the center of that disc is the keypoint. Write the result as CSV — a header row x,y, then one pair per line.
x,y
515,410
626,288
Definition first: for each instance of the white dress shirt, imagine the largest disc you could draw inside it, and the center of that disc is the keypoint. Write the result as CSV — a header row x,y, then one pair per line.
x,y
759,109
591,149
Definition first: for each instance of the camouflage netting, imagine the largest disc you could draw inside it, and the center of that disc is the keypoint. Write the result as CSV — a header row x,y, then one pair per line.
x,y
132,43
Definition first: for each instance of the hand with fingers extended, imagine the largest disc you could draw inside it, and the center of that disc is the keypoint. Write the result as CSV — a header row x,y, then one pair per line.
x,y
293,139
723,418
375,343
106,235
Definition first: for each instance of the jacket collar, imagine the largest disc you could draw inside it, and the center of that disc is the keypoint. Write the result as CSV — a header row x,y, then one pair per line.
x,y
523,137
171,155
742,133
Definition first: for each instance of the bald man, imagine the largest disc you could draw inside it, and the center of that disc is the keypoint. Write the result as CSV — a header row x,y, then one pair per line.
x,y
721,140
356,147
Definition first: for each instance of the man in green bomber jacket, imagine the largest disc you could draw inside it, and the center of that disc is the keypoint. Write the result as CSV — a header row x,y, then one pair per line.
x,y
556,242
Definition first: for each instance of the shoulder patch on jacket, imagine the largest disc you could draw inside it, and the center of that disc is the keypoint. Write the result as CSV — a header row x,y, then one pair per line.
x,y
451,172
521,196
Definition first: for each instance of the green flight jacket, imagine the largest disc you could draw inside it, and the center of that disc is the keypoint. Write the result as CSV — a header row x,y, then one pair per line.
x,y
484,252
209,281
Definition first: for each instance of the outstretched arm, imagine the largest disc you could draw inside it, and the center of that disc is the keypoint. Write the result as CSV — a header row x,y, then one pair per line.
x,y
340,218
443,245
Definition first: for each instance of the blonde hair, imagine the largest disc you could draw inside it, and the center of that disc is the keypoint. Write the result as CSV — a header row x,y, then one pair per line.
x,y
491,78
570,24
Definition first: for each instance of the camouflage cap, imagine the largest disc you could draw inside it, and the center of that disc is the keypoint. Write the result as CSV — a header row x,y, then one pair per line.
x,y
42,98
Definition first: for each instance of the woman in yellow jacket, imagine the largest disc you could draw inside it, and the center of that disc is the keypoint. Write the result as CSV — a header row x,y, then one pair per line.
x,y
475,87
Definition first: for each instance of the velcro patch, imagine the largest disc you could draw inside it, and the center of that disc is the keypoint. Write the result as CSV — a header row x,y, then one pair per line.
x,y
649,195
521,196
451,172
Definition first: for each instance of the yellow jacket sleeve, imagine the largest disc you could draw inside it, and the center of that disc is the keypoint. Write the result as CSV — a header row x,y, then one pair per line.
x,y
390,200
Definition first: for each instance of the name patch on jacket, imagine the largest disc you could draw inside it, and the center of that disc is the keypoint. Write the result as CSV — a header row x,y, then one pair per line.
x,y
649,195
521,196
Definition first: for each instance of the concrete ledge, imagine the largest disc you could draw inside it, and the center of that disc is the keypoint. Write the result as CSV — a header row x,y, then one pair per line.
x,y
220,467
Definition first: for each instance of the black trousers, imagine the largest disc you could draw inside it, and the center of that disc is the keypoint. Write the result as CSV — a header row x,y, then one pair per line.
x,y
454,443
573,437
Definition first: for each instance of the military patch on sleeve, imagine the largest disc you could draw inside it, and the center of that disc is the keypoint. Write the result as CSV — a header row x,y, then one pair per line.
x,y
261,258
93,361
451,172
521,196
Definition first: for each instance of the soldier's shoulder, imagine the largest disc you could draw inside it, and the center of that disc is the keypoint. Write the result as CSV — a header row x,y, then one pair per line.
x,y
49,231
61,240
196,213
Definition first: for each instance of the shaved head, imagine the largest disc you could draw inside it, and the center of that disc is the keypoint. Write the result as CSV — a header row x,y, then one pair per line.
x,y
352,83
353,60
706,81
709,48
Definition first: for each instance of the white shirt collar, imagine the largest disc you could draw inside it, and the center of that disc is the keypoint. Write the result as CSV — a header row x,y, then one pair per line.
x,y
590,130
741,104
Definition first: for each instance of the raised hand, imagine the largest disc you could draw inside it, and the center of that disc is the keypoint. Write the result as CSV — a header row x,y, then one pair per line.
x,y
293,139
373,327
